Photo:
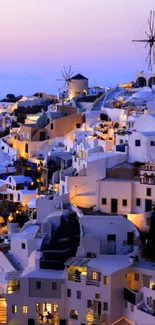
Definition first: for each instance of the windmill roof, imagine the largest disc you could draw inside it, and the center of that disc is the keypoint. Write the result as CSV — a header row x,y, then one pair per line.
x,y
79,77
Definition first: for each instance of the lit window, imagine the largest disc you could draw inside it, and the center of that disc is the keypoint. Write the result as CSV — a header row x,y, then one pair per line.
x,y
56,306
94,275
14,309
25,309
37,307
97,296
105,280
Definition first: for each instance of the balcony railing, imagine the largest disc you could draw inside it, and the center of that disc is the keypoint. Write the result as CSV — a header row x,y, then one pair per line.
x,y
74,277
93,282
100,319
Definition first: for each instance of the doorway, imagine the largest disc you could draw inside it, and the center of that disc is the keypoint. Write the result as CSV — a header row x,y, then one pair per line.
x,y
113,205
148,205
111,244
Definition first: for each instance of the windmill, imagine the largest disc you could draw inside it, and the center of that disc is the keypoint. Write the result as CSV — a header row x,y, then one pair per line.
x,y
66,78
149,41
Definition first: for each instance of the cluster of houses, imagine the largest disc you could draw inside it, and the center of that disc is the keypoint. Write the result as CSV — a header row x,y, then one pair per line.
x,y
84,173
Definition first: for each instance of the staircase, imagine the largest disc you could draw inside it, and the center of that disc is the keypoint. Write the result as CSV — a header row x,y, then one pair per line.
x,y
15,264
98,103
3,311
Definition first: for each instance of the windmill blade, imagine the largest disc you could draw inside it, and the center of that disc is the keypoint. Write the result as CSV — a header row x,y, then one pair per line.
x,y
63,74
70,84
153,21
147,35
153,55
146,45
59,79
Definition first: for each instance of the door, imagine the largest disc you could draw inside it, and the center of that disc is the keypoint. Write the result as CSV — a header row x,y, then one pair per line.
x,y
146,281
113,205
130,238
148,205
99,307
111,244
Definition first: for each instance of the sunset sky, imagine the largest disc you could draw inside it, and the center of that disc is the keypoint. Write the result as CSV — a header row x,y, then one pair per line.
x,y
38,37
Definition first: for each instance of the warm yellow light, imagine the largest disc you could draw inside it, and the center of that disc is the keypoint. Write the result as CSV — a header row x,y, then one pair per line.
x,y
10,218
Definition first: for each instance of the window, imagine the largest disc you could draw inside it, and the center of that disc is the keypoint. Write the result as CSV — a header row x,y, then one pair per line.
x,y
136,277
138,202
94,275
148,191
51,126
152,143
18,198
25,309
105,306
10,179
11,197
132,308
78,125
120,141
23,246
54,286
137,143
105,280
97,296
104,201
78,294
125,304
56,306
89,303
124,203
14,309
68,292
38,285
37,307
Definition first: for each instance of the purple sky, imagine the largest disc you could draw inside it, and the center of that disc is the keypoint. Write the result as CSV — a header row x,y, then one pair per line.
x,y
38,37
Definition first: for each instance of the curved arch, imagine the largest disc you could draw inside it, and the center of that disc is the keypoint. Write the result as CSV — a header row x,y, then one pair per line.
x,y
141,82
73,314
151,82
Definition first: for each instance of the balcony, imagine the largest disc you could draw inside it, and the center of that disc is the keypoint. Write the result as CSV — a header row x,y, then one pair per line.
x,y
91,282
99,319
74,277
13,289
132,296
